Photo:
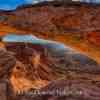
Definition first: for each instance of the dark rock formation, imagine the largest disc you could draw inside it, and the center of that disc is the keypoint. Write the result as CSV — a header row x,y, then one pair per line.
x,y
74,89
47,18
80,73
7,62
64,18
55,18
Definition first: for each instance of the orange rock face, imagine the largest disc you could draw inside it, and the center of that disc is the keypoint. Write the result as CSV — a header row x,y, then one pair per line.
x,y
94,37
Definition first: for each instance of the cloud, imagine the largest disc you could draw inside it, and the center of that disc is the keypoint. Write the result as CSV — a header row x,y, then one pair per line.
x,y
6,7
12,4
36,1
28,1
75,0
33,1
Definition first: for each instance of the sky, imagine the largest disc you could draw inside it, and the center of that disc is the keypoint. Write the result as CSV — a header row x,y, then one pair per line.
x,y
97,1
12,4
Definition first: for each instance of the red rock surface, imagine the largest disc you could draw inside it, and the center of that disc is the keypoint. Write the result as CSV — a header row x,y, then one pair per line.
x,y
61,19
79,74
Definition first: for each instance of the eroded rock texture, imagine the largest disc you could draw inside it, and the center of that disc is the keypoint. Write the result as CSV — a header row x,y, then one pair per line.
x,y
47,67
56,19
45,19
72,90
57,68
7,62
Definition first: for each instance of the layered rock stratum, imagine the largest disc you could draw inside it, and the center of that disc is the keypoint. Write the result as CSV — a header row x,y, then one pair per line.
x,y
74,24
48,68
